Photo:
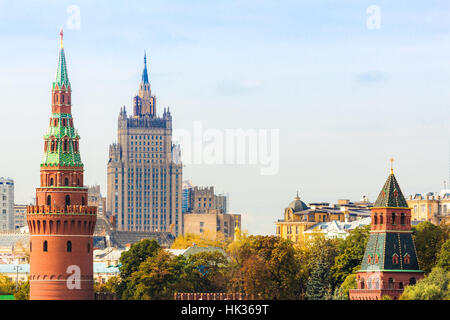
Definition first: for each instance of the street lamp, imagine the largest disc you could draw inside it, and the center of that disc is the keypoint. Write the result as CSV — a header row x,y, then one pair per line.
x,y
17,268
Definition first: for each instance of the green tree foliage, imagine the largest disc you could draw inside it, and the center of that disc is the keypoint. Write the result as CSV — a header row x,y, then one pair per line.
x,y
435,286
7,286
351,252
206,272
444,256
265,267
111,285
24,291
341,293
322,253
428,239
156,278
131,260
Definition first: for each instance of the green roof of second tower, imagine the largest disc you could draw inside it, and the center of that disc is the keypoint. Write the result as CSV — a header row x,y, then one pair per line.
x,y
391,196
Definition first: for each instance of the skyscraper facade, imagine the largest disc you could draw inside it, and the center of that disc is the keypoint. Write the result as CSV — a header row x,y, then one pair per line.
x,y
6,204
61,224
144,168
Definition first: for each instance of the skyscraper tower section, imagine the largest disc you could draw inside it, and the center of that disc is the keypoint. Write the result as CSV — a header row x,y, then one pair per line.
x,y
144,168
61,223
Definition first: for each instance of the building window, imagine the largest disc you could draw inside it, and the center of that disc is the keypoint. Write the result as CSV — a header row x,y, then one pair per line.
x,y
66,181
381,219
45,246
402,219
412,281
391,283
395,259
69,246
51,181
393,218
88,247
375,219
67,200
49,200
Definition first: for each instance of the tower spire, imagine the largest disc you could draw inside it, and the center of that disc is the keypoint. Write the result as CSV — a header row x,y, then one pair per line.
x,y
61,34
392,165
144,72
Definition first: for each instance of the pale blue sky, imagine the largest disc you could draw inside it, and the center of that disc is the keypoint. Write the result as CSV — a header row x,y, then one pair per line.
x,y
345,98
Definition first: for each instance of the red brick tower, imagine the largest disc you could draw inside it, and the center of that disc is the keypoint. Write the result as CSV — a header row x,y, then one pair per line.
x,y
390,261
61,224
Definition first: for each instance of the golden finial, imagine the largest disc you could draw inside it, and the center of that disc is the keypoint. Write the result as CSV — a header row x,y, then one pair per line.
x,y
392,165
61,36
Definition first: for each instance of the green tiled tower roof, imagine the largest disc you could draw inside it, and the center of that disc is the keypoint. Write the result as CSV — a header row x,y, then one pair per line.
x,y
382,247
62,77
391,196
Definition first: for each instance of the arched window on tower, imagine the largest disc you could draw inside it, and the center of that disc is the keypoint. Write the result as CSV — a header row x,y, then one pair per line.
x,y
375,219
67,200
45,247
66,146
66,181
49,200
89,247
62,98
83,201
381,218
393,218
402,219
362,283
391,283
69,246
51,181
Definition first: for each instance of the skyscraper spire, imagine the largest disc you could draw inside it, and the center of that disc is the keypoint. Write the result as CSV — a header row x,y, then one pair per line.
x,y
144,72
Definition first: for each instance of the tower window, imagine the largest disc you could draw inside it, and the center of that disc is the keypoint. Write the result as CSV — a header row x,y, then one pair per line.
x,y
88,247
391,283
51,181
375,219
45,246
393,218
66,181
402,218
67,200
49,200
69,246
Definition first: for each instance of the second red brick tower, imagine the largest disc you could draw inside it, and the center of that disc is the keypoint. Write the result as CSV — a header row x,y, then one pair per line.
x,y
61,224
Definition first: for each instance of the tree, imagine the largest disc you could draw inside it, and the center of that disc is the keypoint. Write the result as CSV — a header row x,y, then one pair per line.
x,y
203,240
24,291
131,260
322,253
111,286
7,286
428,239
276,263
435,286
156,277
341,293
444,256
207,272
351,254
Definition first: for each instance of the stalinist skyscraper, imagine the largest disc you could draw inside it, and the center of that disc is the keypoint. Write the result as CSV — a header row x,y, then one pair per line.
x,y
144,168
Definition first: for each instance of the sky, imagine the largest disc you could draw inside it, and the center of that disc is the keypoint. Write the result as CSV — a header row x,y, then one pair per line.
x,y
346,87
